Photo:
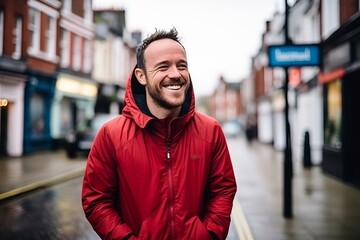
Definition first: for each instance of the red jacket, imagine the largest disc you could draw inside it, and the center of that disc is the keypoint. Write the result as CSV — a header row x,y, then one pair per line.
x,y
159,179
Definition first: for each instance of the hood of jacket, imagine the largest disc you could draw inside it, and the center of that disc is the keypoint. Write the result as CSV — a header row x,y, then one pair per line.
x,y
135,105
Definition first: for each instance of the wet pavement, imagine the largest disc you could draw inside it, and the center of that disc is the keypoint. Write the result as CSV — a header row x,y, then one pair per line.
x,y
54,212
324,208
22,174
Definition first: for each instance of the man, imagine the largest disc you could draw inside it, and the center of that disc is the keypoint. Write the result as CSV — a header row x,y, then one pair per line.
x,y
160,170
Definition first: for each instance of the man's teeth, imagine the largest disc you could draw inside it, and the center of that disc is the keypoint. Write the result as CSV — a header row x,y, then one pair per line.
x,y
173,87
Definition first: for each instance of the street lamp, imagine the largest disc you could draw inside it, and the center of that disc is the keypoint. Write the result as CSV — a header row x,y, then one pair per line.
x,y
288,165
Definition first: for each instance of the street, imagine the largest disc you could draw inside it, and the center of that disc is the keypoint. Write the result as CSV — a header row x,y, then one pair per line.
x,y
50,213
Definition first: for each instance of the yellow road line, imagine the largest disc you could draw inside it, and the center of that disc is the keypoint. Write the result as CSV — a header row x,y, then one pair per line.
x,y
43,183
240,222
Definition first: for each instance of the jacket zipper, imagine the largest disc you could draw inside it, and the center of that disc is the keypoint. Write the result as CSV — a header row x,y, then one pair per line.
x,y
171,191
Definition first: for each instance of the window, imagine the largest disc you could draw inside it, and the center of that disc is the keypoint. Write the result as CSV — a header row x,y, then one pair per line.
x,y
17,32
34,29
357,51
50,37
333,109
76,56
330,17
88,13
65,49
1,30
87,57
67,5
37,115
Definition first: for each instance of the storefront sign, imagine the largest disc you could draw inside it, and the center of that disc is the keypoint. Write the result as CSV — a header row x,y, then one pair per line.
x,y
294,55
337,57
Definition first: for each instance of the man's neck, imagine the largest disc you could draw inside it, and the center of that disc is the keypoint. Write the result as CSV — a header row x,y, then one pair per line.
x,y
160,112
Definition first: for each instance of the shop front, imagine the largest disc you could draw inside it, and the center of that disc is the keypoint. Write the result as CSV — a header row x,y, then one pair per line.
x,y
11,113
73,105
39,93
340,77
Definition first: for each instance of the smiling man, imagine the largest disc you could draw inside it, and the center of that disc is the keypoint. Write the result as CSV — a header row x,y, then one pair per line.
x,y
165,76
161,170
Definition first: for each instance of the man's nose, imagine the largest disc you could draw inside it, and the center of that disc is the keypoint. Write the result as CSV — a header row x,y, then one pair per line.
x,y
174,72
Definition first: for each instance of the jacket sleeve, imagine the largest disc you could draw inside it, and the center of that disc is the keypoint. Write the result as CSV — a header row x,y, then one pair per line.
x,y
221,189
100,190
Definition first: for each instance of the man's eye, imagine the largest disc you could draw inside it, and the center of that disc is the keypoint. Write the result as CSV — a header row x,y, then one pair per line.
x,y
163,67
182,66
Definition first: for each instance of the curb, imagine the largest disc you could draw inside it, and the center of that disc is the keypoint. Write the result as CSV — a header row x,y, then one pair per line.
x,y
240,222
43,183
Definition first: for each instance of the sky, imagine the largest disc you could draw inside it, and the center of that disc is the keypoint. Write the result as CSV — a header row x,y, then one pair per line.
x,y
220,36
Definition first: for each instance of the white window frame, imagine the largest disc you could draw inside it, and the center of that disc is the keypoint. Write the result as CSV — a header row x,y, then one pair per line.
x,y
17,33
76,54
88,12
50,36
1,31
65,49
34,28
87,57
36,8
330,17
67,5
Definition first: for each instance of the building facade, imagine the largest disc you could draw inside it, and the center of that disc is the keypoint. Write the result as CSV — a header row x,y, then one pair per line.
x,y
13,15
225,103
75,91
28,64
339,76
304,93
40,40
114,58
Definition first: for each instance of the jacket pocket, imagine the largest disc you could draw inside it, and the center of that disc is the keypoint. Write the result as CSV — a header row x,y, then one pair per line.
x,y
195,229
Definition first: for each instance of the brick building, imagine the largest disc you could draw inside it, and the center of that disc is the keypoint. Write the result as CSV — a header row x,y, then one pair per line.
x,y
225,104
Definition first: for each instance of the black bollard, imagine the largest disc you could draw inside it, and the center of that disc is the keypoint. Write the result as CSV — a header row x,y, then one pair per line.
x,y
307,151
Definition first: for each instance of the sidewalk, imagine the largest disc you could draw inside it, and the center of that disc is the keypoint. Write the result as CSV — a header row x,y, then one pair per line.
x,y
22,174
324,208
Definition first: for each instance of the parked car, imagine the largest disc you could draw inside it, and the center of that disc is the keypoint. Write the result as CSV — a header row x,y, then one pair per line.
x,y
232,128
81,139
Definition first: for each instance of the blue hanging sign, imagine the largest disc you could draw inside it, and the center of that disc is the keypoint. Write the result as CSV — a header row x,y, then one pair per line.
x,y
294,55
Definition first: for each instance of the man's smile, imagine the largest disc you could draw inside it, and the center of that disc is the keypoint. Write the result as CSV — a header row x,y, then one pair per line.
x,y
173,87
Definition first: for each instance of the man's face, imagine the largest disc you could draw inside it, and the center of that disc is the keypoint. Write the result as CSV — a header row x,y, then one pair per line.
x,y
167,77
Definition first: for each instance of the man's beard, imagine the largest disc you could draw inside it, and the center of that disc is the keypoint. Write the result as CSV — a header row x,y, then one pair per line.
x,y
158,99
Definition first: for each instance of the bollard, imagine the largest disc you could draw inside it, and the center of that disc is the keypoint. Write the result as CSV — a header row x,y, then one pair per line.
x,y
307,151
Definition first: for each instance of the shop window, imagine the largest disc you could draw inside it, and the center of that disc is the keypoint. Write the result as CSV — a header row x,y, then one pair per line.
x,y
37,115
66,117
357,51
333,112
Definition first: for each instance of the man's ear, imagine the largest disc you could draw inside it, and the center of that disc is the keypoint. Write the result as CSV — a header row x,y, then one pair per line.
x,y
139,73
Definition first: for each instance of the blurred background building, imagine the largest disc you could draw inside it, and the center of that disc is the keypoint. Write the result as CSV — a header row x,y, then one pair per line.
x,y
54,60
322,99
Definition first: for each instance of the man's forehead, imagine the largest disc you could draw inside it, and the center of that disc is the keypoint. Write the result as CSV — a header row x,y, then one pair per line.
x,y
165,43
